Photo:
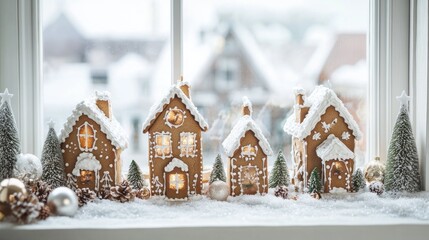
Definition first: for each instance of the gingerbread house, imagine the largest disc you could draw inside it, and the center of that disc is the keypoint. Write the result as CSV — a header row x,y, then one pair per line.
x,y
247,150
174,127
91,142
323,137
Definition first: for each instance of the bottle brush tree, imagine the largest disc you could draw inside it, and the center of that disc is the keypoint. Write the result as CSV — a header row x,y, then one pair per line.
x,y
52,160
9,140
135,177
279,174
314,183
218,172
358,182
402,168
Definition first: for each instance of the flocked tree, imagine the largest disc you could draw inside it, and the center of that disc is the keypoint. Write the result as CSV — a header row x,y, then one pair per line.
x,y
9,140
314,183
135,176
358,182
52,160
402,168
279,175
218,172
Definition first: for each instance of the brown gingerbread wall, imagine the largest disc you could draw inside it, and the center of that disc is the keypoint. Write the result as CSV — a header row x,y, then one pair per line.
x,y
105,152
313,161
249,138
157,165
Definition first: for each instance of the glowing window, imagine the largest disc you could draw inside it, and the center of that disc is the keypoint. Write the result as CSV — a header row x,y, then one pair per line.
x,y
177,181
86,177
163,145
86,137
174,117
249,150
188,144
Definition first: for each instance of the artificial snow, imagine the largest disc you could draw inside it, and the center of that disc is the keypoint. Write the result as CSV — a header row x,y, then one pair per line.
x,y
268,210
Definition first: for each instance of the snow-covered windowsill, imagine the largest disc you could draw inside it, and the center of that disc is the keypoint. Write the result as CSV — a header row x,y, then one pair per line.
x,y
355,215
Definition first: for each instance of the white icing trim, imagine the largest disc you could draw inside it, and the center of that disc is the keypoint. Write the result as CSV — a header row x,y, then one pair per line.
x,y
175,162
162,147
188,146
166,117
319,101
248,104
87,161
334,149
158,108
87,136
102,95
110,127
106,180
246,123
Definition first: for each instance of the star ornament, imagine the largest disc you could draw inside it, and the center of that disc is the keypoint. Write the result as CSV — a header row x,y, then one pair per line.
x,y
51,123
5,96
404,99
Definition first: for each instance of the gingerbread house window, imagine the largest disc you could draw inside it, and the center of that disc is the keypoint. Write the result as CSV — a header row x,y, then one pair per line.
x,y
249,152
177,181
86,137
174,117
163,145
188,144
86,176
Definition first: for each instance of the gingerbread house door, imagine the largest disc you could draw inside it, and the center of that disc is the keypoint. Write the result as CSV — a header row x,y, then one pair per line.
x,y
176,184
249,180
337,176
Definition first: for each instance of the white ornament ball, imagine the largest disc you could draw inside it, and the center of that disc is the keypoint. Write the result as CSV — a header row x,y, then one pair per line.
x,y
63,201
219,190
28,166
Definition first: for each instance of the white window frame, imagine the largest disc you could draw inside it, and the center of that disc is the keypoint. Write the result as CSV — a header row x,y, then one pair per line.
x,y
162,146
188,146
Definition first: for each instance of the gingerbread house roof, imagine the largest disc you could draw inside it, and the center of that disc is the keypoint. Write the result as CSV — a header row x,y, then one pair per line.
x,y
246,123
158,108
109,126
334,149
321,98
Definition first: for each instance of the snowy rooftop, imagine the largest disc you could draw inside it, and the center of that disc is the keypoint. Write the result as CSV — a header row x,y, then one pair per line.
x,y
334,148
159,107
110,127
246,123
321,98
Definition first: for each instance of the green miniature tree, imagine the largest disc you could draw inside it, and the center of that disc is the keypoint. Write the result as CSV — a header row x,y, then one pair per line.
x,y
402,168
135,176
52,160
358,182
9,140
279,175
314,184
218,172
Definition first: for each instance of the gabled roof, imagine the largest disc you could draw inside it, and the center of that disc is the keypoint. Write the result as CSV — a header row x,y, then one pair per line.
x,y
321,98
334,149
232,142
158,108
110,127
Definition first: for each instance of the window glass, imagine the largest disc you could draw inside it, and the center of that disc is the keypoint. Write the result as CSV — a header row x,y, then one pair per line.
x,y
86,137
264,49
188,144
119,46
163,145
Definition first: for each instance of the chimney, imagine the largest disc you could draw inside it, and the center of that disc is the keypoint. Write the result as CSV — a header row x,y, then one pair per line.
x,y
299,96
246,109
300,110
185,87
102,100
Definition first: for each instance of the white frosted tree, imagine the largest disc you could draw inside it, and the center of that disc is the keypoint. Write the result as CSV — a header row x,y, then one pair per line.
x,y
106,180
402,168
9,140
218,172
52,160
279,175
71,181
135,176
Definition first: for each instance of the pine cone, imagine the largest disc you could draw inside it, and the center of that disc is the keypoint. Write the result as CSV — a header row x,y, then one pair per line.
x,y
143,193
281,191
122,193
45,212
41,190
316,195
25,208
376,187
104,193
85,195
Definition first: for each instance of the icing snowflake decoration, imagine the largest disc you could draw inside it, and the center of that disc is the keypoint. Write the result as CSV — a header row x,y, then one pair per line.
x,y
316,136
327,126
345,136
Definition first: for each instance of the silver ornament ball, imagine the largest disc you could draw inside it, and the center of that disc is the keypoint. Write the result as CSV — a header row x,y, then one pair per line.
x,y
63,201
219,191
